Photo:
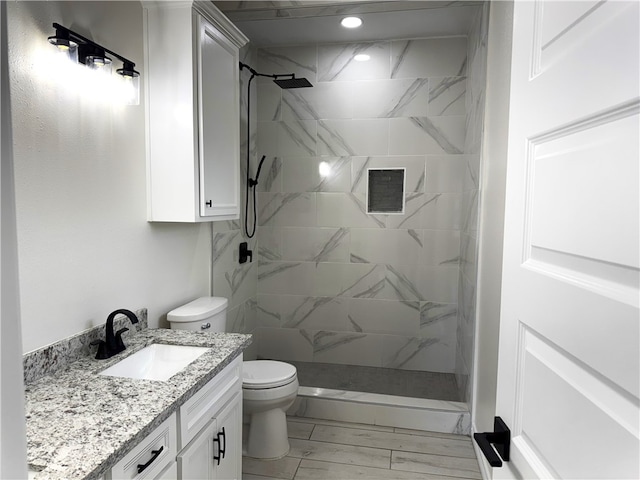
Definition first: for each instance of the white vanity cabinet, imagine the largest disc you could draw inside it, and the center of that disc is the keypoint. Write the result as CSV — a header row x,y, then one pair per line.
x,y
210,429
202,440
193,112
216,453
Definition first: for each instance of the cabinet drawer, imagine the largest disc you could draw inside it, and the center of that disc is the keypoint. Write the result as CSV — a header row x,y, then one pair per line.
x,y
199,409
157,451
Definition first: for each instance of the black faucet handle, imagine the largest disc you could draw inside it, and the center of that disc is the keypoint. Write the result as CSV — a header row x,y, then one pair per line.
x,y
119,342
103,352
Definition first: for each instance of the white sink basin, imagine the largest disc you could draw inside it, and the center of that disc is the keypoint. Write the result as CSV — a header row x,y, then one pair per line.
x,y
155,362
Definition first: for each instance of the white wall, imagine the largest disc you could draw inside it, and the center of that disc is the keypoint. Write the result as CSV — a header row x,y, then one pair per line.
x,y
13,445
492,189
85,247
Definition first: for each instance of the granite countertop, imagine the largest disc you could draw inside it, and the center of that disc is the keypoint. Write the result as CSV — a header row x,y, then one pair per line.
x,y
79,424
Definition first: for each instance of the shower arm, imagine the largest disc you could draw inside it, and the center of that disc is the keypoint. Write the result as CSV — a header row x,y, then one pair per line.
x,y
258,74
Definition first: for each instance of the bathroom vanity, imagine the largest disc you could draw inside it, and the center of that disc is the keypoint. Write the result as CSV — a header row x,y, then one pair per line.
x,y
83,425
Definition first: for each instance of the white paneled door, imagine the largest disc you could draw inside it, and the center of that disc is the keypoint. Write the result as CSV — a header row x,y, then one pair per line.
x,y
569,342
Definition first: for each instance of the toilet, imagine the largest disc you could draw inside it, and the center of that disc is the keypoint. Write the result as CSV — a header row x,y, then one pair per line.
x,y
269,387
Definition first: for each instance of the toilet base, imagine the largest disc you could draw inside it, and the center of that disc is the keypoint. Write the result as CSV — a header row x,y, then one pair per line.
x,y
267,438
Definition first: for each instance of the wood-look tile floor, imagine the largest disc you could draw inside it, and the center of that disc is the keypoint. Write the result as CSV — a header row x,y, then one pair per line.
x,y
328,450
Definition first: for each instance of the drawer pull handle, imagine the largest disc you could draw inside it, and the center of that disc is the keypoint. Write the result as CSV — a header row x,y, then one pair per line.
x,y
205,326
217,439
222,446
156,453
224,442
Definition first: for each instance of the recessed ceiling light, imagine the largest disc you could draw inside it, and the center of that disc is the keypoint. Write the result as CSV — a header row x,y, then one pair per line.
x,y
362,57
351,22
325,169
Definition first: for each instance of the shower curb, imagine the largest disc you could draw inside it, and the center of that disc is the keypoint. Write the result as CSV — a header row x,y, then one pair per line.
x,y
383,410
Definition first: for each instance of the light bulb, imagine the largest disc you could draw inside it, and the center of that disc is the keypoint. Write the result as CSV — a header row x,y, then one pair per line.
x,y
351,22
324,169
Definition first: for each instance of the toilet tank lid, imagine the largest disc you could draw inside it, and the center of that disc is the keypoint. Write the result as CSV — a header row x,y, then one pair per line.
x,y
198,309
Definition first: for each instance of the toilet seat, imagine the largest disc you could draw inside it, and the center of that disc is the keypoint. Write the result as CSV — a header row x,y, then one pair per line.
x,y
263,374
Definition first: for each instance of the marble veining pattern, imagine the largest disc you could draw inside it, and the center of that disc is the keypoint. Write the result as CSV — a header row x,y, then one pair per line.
x,y
403,287
333,243
338,165
400,58
446,96
408,107
408,350
79,424
299,136
432,312
323,341
428,127
335,143
221,243
335,62
281,60
305,310
417,210
406,98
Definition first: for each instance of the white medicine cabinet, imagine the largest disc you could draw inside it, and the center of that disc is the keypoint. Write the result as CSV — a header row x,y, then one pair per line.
x,y
192,111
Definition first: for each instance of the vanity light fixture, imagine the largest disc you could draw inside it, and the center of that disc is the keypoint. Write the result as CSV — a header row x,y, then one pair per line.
x,y
94,58
82,50
362,57
64,44
351,22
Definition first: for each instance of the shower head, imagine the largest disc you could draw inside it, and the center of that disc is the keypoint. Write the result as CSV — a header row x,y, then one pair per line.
x,y
293,83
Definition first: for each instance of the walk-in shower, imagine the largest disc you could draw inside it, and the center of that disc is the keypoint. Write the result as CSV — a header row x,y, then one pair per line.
x,y
379,303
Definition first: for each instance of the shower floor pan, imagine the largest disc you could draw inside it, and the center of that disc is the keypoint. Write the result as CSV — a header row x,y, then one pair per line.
x,y
386,381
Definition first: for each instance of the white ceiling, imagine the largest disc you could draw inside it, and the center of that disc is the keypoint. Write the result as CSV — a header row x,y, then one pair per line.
x,y
294,23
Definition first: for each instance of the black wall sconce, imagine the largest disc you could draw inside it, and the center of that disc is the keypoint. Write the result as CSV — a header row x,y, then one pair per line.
x,y
82,50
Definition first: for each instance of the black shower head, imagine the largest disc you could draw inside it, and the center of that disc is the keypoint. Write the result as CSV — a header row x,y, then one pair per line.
x,y
293,83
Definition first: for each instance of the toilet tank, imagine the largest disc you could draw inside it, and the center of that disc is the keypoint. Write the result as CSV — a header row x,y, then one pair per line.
x,y
204,314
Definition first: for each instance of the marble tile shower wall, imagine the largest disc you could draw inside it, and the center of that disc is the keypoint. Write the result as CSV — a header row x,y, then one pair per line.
x,y
336,284
467,280
238,283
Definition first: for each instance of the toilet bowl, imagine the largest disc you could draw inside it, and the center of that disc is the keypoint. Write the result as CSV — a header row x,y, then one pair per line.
x,y
269,388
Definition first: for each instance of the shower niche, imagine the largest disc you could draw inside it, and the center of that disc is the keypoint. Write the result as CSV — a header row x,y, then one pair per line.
x,y
192,98
385,190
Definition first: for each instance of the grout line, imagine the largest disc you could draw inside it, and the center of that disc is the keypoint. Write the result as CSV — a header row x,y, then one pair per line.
x,y
297,468
389,449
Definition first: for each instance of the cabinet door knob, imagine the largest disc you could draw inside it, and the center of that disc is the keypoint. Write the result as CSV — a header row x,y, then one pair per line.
x,y
209,203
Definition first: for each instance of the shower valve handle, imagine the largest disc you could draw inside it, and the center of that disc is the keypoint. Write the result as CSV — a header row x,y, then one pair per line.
x,y
245,253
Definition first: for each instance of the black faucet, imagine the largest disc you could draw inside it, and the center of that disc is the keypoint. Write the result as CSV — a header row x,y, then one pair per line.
x,y
113,343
